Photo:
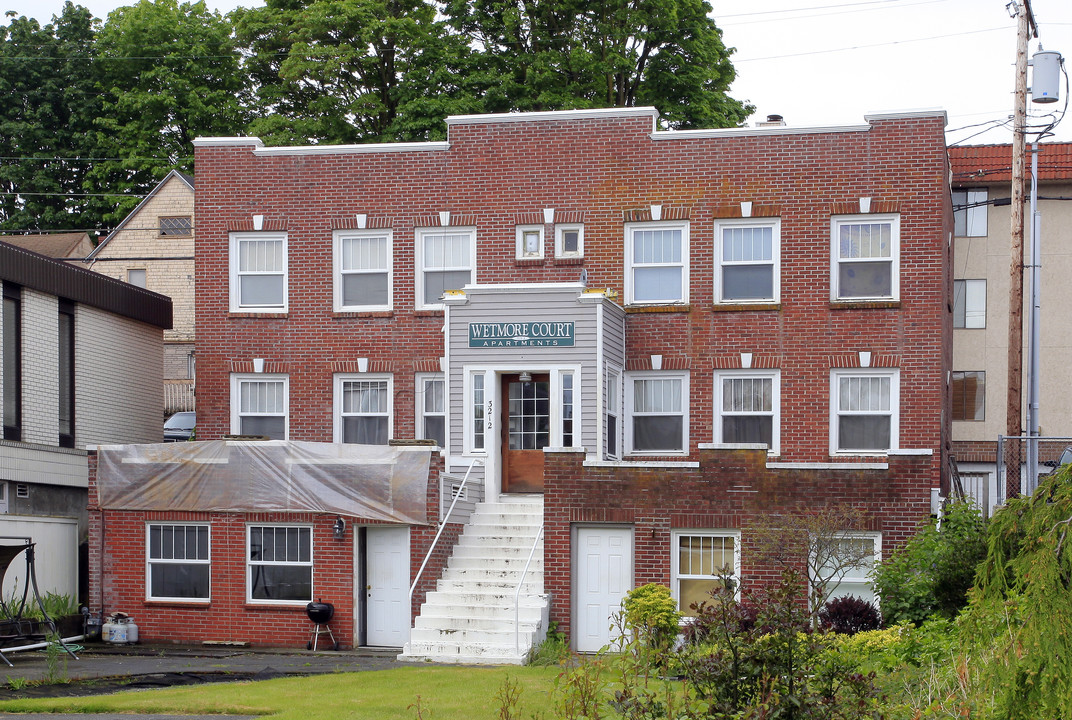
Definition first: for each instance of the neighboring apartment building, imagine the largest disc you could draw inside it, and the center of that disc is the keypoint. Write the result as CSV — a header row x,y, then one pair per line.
x,y
981,195
79,366
635,343
154,248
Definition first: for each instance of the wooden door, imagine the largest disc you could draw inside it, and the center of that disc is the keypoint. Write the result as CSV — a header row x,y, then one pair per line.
x,y
526,431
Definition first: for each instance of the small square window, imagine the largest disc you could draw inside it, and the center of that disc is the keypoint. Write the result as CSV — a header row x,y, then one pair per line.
x,y
136,276
178,225
569,241
529,242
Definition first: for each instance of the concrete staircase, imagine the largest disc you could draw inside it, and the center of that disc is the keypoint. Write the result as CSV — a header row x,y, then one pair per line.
x,y
469,617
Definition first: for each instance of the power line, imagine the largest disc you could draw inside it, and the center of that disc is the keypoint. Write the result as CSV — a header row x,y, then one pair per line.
x,y
873,45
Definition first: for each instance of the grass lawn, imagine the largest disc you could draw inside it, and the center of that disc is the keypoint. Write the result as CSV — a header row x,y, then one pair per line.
x,y
446,693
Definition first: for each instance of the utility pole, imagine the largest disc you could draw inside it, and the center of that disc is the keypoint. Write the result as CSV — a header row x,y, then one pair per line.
x,y
1025,23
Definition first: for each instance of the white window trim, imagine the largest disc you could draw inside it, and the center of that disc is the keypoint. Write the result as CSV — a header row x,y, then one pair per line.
x,y
876,538
630,229
619,440
521,230
420,414
233,273
675,557
470,416
776,401
238,378
629,379
895,408
339,379
150,561
250,563
895,255
776,258
337,272
564,228
424,303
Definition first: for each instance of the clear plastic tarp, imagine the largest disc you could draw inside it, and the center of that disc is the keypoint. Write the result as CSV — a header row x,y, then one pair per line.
x,y
371,482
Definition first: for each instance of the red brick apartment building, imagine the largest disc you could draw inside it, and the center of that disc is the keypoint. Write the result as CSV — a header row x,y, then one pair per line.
x,y
627,343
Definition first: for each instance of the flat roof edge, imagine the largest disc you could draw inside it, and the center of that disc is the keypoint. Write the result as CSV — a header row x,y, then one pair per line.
x,y
748,131
227,142
432,146
589,114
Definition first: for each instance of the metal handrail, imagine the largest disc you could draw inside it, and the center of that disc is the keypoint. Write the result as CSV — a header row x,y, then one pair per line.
x,y
442,525
517,593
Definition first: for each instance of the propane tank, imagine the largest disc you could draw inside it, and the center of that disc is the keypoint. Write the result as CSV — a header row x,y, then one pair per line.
x,y
106,630
132,630
119,632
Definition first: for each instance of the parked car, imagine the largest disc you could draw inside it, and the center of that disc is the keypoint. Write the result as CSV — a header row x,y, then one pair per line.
x,y
180,427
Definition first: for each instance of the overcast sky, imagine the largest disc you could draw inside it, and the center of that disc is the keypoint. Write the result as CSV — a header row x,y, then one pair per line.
x,y
821,62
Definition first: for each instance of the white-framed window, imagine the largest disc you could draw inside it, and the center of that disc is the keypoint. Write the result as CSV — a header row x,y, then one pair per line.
x,y
699,560
530,242
866,257
137,277
260,405
180,225
748,256
657,405
446,260
747,407
258,272
363,275
363,405
613,420
178,561
864,410
280,564
969,212
3,496
969,304
569,241
847,565
432,408
478,414
657,263
969,395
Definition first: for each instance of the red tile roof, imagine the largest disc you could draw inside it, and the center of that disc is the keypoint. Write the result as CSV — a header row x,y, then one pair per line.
x,y
991,164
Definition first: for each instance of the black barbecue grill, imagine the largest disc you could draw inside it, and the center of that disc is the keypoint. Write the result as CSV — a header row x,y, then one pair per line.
x,y
320,614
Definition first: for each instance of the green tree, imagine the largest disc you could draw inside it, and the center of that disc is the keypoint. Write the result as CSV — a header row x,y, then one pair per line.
x,y
48,84
569,54
1018,627
348,71
932,573
169,73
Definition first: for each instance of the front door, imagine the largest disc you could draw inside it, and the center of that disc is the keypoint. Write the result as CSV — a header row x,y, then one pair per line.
x,y
603,567
526,430
387,589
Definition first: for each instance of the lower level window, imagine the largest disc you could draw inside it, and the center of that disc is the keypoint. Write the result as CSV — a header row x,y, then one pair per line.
x,y
701,563
280,563
658,417
865,411
846,566
178,561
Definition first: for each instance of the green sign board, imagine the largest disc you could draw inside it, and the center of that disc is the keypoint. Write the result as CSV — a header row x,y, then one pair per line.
x,y
521,334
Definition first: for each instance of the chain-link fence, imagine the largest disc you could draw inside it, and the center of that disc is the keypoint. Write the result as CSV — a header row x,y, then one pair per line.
x,y
1012,468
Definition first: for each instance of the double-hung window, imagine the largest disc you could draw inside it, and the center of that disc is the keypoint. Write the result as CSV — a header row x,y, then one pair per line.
x,y
866,252
864,413
747,407
658,403
446,260
969,212
969,304
432,408
363,409
969,395
178,562
258,272
12,358
280,568
613,423
700,562
845,564
259,405
362,270
748,261
657,263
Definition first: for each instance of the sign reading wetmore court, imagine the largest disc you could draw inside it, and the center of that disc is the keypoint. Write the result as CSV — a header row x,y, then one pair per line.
x,y
521,334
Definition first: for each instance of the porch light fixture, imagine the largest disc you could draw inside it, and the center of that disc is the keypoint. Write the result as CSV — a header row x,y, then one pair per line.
x,y
525,376
338,529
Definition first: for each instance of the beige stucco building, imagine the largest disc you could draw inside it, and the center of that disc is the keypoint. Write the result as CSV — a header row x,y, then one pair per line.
x,y
153,248
982,261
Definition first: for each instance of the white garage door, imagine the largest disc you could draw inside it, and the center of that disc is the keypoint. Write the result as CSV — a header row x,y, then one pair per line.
x,y
603,574
56,554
